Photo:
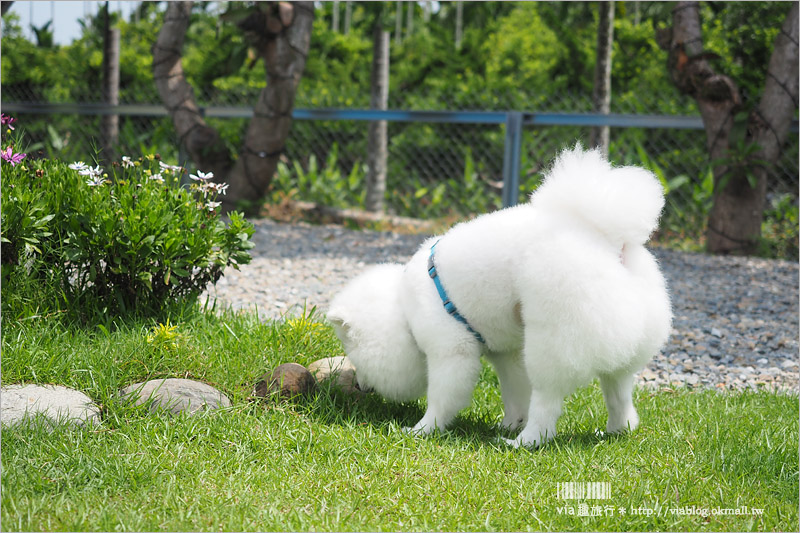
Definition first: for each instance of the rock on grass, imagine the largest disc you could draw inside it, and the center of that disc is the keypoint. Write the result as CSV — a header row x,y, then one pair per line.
x,y
52,403
176,395
338,370
289,380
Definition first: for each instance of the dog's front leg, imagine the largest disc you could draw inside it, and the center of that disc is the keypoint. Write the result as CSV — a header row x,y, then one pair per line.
x,y
452,376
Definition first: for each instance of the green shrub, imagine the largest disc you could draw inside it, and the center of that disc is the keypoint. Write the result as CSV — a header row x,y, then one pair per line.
x,y
127,240
779,231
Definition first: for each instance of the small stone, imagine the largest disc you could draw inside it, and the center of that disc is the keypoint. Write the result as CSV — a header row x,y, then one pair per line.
x,y
716,332
789,363
763,361
692,379
288,379
649,375
55,403
175,395
338,369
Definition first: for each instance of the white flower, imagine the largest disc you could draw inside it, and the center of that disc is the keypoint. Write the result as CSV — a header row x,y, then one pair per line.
x,y
165,166
94,181
213,205
79,165
126,162
202,176
157,177
212,188
218,188
95,172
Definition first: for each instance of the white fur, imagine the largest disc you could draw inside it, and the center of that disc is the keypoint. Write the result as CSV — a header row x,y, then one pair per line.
x,y
561,288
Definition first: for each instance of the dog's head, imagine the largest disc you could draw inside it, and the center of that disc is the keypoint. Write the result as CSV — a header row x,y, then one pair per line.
x,y
369,321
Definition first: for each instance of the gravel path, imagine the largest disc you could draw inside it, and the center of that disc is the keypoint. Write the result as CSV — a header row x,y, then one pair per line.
x,y
735,325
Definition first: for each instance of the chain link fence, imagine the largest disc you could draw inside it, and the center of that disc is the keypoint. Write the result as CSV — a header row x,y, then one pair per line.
x,y
434,169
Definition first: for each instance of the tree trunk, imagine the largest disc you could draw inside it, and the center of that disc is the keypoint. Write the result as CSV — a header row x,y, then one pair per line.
x,y
284,49
335,22
110,123
282,35
741,170
398,24
348,16
718,99
459,24
410,20
201,141
734,224
377,135
601,95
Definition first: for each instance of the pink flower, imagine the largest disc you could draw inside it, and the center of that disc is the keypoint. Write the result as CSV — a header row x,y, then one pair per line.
x,y
6,120
11,157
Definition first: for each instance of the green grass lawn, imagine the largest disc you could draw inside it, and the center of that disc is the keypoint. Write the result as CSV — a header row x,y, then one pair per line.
x,y
332,462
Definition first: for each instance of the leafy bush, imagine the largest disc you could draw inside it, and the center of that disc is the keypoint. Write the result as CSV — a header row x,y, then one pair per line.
x,y
326,184
779,232
129,240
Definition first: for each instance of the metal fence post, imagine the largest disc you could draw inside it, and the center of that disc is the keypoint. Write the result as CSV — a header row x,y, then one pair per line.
x,y
511,158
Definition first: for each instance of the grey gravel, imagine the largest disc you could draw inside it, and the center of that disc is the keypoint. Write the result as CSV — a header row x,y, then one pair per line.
x,y
735,325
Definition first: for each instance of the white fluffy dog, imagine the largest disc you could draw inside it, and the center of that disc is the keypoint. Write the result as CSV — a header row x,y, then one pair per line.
x,y
554,292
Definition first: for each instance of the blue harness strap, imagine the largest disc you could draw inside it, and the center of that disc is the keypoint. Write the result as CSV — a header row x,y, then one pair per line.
x,y
449,306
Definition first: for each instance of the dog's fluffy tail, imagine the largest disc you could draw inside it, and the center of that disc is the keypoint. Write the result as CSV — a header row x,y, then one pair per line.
x,y
624,203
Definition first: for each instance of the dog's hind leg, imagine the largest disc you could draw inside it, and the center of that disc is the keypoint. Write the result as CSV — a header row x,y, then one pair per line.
x,y
452,376
618,394
515,387
543,412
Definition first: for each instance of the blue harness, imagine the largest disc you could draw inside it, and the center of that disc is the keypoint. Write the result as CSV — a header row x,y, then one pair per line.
x,y
449,306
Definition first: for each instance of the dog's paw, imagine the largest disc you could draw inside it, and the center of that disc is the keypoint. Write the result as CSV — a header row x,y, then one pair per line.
x,y
512,423
415,431
530,438
624,424
510,442
521,443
